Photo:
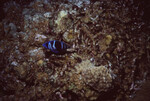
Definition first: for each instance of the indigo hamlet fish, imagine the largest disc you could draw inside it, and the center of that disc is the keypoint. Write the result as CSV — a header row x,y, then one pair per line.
x,y
57,47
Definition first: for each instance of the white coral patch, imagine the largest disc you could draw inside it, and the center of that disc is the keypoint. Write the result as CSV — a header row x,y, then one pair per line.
x,y
48,14
37,53
40,37
61,15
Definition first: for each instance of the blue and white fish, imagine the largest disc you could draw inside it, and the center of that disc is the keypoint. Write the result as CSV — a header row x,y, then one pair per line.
x,y
56,47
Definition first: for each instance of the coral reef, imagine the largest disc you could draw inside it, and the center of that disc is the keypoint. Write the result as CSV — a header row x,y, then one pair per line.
x,y
87,76
98,78
111,46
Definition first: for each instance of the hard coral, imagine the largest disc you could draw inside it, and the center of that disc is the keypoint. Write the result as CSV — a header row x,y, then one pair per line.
x,y
63,21
70,36
89,78
97,77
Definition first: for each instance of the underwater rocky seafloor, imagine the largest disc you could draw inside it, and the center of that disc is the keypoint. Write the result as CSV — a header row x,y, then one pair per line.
x,y
111,60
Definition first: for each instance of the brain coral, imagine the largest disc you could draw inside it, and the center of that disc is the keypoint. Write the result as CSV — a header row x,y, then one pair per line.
x,y
97,77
